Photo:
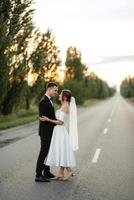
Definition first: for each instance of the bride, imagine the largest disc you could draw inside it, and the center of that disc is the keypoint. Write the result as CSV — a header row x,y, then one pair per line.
x,y
64,139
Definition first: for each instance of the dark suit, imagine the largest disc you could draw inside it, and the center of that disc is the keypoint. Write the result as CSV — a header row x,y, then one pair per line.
x,y
45,132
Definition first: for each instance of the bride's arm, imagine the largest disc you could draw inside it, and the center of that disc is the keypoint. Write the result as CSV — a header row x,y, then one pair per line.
x,y
57,122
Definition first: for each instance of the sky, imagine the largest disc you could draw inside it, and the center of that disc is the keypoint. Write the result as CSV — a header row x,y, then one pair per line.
x,y
102,29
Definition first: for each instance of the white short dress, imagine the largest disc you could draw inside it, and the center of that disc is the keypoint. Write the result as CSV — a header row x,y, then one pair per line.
x,y
61,152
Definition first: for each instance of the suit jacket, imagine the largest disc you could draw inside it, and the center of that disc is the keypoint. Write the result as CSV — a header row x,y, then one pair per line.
x,y
46,108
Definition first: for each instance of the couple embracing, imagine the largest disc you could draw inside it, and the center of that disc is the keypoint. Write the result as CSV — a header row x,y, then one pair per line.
x,y
58,134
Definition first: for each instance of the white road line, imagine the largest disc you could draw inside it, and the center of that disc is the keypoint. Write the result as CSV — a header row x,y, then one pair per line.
x,y
109,120
96,155
112,113
105,130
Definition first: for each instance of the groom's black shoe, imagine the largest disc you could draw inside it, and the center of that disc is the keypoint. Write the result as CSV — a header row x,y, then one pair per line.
x,y
48,175
46,172
41,179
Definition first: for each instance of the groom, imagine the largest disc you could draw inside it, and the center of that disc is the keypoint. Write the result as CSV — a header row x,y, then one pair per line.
x,y
45,132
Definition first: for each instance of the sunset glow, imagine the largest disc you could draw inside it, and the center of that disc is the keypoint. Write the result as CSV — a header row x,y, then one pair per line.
x,y
99,28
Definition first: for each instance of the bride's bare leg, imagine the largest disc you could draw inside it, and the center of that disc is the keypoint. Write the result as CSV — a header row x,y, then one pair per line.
x,y
60,174
69,173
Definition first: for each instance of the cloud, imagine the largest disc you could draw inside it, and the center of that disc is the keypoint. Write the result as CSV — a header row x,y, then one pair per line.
x,y
111,59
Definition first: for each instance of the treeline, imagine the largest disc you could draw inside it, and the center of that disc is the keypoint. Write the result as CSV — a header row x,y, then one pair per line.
x,y
26,52
83,84
127,87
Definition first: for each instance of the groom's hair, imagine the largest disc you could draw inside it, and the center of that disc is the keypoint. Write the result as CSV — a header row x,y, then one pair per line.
x,y
51,84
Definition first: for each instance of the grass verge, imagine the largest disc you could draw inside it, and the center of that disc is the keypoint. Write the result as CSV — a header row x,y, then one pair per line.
x,y
25,117
130,100
17,119
91,102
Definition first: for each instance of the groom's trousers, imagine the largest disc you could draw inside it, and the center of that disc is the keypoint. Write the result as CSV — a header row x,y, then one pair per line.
x,y
42,156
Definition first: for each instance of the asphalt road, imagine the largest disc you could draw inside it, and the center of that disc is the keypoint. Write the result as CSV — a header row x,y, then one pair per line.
x,y
105,160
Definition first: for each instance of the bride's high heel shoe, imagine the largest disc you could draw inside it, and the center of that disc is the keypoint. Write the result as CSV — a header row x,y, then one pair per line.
x,y
58,178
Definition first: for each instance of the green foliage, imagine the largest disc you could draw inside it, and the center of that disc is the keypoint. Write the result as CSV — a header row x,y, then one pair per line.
x,y
45,62
83,86
75,68
4,42
77,89
17,28
127,87
97,88
112,91
91,85
23,51
18,119
45,59
37,89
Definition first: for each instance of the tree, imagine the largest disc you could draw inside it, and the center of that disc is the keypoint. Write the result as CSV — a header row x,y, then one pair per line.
x,y
5,40
75,68
24,51
45,62
97,88
127,87
46,59
17,29
77,89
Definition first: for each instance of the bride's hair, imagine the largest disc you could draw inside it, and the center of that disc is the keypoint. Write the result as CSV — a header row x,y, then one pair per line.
x,y
66,94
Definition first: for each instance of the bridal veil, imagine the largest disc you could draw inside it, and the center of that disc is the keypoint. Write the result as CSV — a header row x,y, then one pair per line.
x,y
73,129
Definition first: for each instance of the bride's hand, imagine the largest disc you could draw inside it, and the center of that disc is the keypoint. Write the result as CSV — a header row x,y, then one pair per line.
x,y
60,122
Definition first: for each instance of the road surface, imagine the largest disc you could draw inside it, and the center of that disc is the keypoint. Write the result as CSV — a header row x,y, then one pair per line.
x,y
105,160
